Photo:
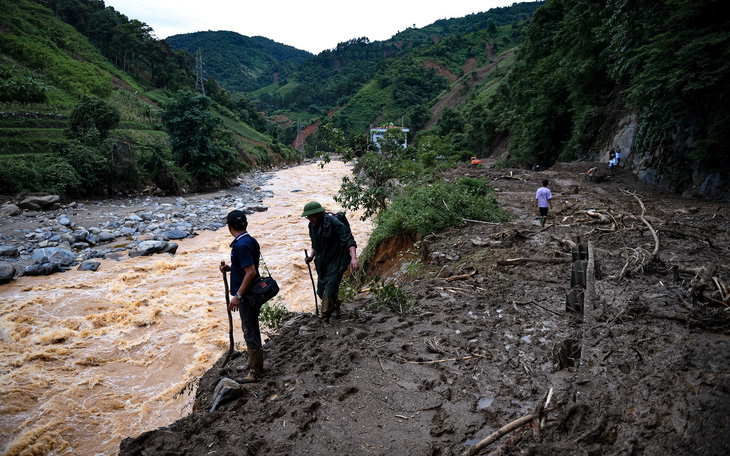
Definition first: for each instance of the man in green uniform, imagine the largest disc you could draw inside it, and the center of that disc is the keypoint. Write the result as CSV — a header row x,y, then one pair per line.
x,y
333,250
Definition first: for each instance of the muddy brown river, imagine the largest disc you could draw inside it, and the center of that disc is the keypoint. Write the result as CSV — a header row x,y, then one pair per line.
x,y
89,358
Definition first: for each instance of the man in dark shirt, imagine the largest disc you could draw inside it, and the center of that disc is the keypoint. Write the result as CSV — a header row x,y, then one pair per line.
x,y
333,250
245,254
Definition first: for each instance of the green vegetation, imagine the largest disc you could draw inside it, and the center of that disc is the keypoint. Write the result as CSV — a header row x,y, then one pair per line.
x,y
272,313
241,63
392,298
424,210
83,94
581,63
197,143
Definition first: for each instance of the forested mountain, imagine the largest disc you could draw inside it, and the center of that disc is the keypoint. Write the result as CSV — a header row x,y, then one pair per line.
x,y
241,63
659,67
92,104
563,84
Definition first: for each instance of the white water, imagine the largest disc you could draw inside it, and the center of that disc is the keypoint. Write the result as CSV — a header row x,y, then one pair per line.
x,y
89,358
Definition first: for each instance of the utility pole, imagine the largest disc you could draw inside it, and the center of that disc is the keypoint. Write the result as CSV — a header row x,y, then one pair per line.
x,y
199,72
299,142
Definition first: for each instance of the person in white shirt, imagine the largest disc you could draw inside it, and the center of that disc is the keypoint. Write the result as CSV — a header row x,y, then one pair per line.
x,y
543,201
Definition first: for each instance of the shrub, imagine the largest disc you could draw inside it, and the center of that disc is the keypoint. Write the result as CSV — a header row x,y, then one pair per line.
x,y
272,313
429,209
392,298
46,174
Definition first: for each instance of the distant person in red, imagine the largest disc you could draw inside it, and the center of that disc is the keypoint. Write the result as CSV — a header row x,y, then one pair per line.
x,y
543,201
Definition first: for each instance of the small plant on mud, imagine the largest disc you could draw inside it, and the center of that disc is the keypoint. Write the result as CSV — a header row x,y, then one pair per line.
x,y
392,298
272,313
348,289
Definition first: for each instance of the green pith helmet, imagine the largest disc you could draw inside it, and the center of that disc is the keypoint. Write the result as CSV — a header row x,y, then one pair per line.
x,y
312,207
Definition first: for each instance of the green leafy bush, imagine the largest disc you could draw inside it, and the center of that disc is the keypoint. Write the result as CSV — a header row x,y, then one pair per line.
x,y
23,87
272,313
429,209
392,298
45,174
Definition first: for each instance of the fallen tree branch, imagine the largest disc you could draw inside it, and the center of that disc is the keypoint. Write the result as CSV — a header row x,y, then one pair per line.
x,y
641,217
655,252
480,221
516,424
514,261
447,360
461,277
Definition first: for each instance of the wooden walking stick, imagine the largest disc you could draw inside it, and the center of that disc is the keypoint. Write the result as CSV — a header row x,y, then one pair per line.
x,y
230,317
316,306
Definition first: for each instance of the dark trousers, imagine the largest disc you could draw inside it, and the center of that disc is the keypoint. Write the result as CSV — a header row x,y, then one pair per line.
x,y
250,324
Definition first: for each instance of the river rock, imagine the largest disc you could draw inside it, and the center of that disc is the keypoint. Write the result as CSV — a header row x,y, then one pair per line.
x,y
145,248
41,269
9,210
8,250
7,272
174,234
64,220
89,265
106,236
55,255
36,203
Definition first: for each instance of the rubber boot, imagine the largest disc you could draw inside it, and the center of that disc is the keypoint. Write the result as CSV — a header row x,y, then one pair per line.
x,y
542,221
255,366
338,305
328,306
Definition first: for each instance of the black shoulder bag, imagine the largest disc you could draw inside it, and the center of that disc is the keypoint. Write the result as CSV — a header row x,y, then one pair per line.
x,y
263,288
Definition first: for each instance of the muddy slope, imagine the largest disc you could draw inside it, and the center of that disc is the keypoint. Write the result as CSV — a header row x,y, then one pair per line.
x,y
643,369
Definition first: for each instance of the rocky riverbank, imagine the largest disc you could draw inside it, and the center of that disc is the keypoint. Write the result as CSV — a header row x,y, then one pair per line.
x,y
41,235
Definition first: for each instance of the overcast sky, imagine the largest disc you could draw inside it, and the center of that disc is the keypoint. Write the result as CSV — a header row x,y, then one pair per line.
x,y
313,25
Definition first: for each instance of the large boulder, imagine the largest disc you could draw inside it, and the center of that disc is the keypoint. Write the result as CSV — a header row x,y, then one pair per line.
x,y
7,272
36,203
64,257
145,248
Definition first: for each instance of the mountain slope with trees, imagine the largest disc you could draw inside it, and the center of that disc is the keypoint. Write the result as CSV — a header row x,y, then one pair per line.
x,y
88,100
239,63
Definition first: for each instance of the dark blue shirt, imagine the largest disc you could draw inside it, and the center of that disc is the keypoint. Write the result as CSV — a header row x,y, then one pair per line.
x,y
245,251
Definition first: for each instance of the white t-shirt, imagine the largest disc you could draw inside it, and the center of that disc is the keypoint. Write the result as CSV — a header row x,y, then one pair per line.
x,y
543,195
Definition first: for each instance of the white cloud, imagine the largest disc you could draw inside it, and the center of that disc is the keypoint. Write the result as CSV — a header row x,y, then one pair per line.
x,y
313,25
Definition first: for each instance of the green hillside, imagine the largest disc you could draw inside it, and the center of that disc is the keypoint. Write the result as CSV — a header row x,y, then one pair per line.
x,y
56,80
239,63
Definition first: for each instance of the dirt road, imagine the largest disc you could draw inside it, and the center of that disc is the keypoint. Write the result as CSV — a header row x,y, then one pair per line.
x,y
643,369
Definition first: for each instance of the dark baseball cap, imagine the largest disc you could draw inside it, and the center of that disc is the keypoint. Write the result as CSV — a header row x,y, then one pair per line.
x,y
236,218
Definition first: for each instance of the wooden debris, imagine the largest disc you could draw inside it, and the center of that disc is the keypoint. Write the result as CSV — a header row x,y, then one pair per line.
x,y
461,277
438,361
515,261
516,424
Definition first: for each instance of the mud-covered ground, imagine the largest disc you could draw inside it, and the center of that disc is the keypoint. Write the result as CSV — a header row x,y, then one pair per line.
x,y
644,369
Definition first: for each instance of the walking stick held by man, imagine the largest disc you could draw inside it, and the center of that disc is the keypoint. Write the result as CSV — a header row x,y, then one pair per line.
x,y
230,317
316,306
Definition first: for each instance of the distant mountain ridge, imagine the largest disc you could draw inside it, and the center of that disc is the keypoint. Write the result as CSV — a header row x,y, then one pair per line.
x,y
240,62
